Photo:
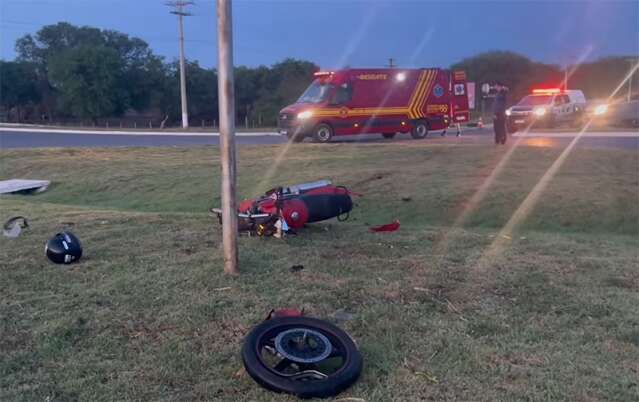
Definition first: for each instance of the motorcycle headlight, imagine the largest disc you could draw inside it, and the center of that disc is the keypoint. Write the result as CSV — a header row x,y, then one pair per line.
x,y
508,112
601,109
539,112
304,115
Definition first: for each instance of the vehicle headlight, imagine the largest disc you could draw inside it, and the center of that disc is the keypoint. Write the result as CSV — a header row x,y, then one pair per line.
x,y
304,115
601,109
508,112
540,111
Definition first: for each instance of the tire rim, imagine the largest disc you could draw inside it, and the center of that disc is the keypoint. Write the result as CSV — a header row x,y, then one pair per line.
x,y
301,353
303,345
324,134
421,130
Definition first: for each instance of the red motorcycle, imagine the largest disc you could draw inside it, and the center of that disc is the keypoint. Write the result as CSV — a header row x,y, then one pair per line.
x,y
286,208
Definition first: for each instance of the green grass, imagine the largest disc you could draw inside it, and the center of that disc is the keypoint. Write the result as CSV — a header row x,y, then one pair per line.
x,y
148,315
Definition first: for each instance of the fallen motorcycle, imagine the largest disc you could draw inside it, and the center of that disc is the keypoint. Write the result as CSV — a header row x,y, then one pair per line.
x,y
285,208
303,356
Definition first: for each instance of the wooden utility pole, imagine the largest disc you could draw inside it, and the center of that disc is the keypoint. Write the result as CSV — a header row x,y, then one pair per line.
x,y
178,9
226,105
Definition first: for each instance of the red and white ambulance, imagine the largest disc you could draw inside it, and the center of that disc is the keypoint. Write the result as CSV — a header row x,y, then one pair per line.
x,y
386,101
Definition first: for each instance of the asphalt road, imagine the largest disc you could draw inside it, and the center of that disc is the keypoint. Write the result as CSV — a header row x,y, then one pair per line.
x,y
41,138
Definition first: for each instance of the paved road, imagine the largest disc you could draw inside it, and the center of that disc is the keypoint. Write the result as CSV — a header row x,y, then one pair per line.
x,y
39,138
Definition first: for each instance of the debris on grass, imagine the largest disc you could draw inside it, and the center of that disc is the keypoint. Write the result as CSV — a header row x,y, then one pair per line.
x,y
342,315
296,268
285,312
222,289
428,375
390,227
21,186
13,226
240,373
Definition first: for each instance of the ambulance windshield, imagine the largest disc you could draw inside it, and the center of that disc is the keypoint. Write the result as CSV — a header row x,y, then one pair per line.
x,y
535,100
317,92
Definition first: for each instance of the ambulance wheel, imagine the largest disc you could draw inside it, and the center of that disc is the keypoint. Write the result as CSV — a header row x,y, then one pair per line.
x,y
388,135
420,130
322,133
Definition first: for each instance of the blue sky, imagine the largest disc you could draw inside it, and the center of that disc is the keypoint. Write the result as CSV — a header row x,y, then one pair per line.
x,y
362,33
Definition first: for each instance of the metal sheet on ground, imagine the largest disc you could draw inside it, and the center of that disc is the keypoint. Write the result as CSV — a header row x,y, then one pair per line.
x,y
17,185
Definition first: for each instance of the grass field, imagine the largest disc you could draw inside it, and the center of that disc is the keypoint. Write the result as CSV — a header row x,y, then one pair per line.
x,y
549,315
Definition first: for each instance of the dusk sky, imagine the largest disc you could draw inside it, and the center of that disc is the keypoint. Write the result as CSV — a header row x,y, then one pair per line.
x,y
335,33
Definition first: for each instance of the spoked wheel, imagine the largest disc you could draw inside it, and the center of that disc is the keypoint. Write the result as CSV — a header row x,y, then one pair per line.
x,y
303,356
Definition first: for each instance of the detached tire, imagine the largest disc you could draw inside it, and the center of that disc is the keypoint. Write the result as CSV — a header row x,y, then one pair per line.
x,y
322,133
263,339
420,130
389,136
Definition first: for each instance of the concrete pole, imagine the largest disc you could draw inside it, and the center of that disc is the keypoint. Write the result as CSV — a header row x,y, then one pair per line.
x,y
226,105
629,96
185,112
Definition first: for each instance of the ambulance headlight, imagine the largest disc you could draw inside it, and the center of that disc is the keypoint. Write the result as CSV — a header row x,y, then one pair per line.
x,y
601,109
304,115
508,112
540,112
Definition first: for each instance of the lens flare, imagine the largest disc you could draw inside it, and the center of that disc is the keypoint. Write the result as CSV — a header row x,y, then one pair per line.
x,y
524,209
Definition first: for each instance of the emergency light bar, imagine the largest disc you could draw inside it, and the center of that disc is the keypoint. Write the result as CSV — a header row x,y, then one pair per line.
x,y
548,91
322,73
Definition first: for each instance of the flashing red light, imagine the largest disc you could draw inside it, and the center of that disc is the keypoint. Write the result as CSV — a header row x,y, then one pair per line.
x,y
546,91
322,73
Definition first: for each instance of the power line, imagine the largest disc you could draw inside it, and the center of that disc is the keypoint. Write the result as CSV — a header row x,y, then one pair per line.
x,y
179,7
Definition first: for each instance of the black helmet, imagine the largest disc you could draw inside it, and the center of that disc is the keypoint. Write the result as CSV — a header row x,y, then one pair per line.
x,y
64,248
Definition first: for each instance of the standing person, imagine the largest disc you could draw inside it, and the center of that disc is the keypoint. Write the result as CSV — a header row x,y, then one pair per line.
x,y
499,110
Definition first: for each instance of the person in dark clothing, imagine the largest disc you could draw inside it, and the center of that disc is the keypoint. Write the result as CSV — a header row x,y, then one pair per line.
x,y
499,111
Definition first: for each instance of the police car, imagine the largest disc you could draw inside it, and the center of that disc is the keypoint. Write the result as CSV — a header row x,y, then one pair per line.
x,y
547,108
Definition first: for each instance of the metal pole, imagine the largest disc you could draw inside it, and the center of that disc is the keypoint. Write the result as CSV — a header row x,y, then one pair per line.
x,y
185,112
226,104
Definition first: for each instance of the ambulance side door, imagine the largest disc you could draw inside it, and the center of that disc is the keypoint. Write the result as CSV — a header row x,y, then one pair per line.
x,y
342,99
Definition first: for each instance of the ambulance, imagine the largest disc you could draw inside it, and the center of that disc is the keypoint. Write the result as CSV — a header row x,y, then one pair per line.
x,y
385,101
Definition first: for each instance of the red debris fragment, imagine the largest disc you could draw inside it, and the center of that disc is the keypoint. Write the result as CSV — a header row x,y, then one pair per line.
x,y
285,312
390,227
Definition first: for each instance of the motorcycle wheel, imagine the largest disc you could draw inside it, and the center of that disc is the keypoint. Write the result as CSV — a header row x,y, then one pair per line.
x,y
303,356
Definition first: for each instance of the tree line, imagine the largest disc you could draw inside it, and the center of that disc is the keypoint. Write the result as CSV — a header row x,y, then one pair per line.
x,y
65,72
